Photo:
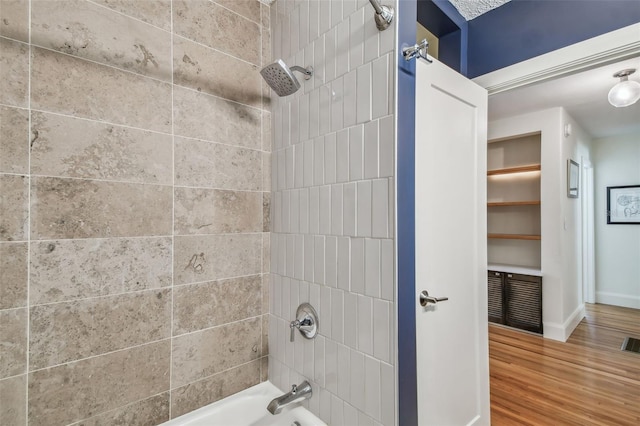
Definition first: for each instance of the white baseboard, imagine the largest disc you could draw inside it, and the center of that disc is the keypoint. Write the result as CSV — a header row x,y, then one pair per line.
x,y
553,331
561,332
618,299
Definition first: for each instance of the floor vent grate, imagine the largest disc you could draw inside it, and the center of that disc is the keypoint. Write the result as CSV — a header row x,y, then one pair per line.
x,y
631,345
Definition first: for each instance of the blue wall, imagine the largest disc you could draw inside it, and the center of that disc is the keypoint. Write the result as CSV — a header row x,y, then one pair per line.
x,y
523,29
459,38
405,237
512,33
445,22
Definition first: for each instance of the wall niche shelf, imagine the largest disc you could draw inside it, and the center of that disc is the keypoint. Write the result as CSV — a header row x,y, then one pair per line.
x,y
512,170
513,203
514,232
514,237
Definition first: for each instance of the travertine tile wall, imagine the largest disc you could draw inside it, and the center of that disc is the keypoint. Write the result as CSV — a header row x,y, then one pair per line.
x,y
134,207
333,210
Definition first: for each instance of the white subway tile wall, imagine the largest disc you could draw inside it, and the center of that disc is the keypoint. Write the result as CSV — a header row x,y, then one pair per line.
x,y
333,210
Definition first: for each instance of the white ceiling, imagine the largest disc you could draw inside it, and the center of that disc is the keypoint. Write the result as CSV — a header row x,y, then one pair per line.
x,y
470,9
583,95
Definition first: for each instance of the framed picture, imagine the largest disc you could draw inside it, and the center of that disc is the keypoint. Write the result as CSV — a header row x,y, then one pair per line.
x,y
573,178
623,205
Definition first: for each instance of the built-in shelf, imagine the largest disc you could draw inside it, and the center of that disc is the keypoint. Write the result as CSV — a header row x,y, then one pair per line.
x,y
513,203
513,237
510,170
515,269
514,280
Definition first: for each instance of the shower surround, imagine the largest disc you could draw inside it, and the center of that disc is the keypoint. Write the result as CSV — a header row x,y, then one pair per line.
x,y
332,241
134,215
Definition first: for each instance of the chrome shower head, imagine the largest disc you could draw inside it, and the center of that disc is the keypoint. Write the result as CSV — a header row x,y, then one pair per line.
x,y
281,79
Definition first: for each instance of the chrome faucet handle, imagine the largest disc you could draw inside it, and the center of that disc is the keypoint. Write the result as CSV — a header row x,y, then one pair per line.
x,y
293,325
306,322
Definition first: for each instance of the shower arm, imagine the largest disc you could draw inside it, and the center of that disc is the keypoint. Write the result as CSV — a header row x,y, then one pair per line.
x,y
308,72
384,15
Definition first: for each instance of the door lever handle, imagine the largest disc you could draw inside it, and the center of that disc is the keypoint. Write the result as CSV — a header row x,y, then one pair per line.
x,y
425,299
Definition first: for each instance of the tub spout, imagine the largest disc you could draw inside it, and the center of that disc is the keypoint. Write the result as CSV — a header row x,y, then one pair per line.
x,y
298,393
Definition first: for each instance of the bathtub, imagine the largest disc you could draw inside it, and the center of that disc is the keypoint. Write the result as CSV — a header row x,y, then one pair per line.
x,y
247,408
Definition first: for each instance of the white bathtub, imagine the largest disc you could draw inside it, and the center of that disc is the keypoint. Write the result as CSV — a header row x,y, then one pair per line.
x,y
248,408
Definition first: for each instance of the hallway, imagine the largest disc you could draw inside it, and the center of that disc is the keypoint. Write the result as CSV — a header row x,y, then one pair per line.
x,y
586,381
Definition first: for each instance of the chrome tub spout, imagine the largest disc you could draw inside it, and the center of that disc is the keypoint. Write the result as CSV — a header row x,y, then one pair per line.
x,y
298,393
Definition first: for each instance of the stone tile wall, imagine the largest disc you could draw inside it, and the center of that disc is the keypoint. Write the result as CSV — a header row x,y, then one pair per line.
x,y
134,207
333,210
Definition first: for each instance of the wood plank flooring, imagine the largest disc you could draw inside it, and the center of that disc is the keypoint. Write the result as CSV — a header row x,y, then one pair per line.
x,y
586,381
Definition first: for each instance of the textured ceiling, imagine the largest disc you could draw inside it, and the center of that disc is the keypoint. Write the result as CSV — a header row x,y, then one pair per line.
x,y
470,9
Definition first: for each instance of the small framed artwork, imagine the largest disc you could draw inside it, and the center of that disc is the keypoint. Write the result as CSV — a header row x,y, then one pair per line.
x,y
573,178
623,205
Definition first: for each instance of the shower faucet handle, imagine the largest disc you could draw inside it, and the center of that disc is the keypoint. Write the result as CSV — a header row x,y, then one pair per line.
x,y
294,324
306,322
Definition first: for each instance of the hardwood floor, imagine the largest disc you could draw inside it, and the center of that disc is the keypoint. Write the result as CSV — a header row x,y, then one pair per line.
x,y
586,381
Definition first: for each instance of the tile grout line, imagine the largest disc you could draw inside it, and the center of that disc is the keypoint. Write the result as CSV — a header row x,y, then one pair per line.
x,y
263,189
215,374
173,214
90,357
15,40
94,120
160,28
127,16
206,46
168,338
80,422
190,89
218,280
188,333
95,62
28,236
154,289
129,182
221,143
101,296
126,126
227,234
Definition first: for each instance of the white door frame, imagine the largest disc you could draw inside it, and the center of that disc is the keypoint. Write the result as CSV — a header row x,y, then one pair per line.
x,y
598,51
588,233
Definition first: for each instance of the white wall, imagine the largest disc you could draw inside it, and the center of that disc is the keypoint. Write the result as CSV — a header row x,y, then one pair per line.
x,y
560,256
616,163
333,210
576,146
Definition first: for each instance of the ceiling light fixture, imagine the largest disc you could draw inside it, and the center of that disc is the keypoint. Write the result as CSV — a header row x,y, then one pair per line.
x,y
626,92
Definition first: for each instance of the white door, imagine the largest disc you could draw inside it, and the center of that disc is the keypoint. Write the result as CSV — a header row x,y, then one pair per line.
x,y
451,248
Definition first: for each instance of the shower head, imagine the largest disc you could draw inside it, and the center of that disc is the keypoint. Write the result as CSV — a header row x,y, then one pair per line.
x,y
281,79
